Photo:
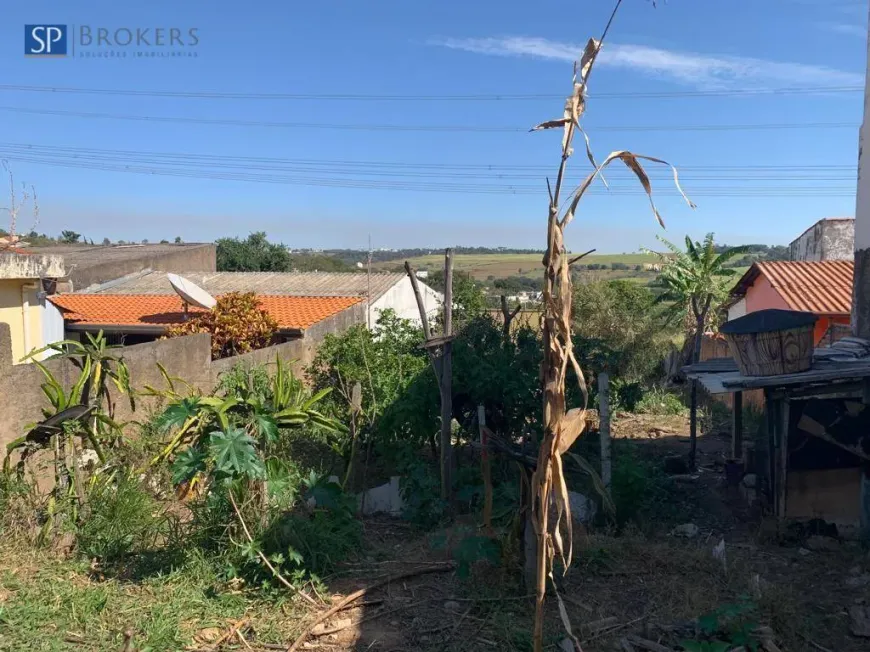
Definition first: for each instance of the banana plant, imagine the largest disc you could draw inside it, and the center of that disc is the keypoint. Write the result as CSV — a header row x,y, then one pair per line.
x,y
230,433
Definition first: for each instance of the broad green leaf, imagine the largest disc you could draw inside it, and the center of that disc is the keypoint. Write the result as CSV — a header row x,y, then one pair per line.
x,y
267,427
234,454
177,413
188,464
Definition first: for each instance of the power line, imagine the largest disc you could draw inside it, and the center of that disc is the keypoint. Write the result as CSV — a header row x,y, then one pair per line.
x,y
425,170
428,128
359,97
421,186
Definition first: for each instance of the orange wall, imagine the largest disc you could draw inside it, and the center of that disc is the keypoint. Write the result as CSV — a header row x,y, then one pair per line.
x,y
762,296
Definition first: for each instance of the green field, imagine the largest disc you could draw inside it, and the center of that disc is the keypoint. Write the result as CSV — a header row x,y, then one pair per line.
x,y
483,266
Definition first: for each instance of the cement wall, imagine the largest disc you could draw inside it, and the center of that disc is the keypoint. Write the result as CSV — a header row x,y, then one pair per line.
x,y
831,239
189,358
32,266
201,258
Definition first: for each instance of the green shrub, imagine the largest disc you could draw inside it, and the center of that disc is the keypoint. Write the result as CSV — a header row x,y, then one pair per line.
x,y
660,402
639,486
310,540
122,518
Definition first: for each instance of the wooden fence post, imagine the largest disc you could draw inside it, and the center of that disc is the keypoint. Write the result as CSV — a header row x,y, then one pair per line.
x,y
604,428
485,469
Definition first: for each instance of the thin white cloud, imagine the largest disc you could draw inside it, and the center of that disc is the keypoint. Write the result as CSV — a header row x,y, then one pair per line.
x,y
851,30
689,68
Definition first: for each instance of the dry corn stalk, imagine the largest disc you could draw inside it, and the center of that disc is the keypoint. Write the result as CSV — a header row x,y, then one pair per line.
x,y
562,426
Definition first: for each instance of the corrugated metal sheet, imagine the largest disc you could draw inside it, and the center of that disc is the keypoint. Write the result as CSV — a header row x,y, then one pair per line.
x,y
308,284
824,288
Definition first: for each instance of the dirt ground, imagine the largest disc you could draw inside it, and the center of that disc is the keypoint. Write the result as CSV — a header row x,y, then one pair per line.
x,y
622,592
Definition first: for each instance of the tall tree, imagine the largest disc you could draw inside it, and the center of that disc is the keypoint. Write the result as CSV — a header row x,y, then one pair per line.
x,y
695,282
70,237
253,254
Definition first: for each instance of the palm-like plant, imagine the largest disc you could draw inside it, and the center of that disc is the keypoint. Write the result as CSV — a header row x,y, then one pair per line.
x,y
88,403
693,282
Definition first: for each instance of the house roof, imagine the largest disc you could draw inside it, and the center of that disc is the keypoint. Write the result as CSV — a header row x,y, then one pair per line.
x,y
156,312
310,284
824,287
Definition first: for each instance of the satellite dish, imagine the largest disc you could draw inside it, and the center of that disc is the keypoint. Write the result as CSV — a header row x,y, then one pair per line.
x,y
191,293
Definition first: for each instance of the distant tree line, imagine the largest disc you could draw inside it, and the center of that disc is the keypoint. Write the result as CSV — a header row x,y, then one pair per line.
x,y
353,256
755,253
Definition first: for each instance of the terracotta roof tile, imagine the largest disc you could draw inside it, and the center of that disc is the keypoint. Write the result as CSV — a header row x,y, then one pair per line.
x,y
164,310
824,288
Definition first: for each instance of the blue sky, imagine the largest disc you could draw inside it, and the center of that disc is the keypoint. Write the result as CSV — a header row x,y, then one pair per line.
x,y
483,185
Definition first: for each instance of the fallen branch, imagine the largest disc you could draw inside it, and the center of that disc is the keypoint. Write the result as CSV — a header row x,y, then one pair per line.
x,y
242,639
380,614
457,625
652,646
605,632
228,635
265,559
820,648
356,595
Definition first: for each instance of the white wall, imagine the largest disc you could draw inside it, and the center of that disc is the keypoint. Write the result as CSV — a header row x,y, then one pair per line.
x,y
737,310
400,298
52,325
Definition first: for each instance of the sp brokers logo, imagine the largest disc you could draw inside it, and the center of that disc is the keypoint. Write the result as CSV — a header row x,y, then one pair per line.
x,y
45,40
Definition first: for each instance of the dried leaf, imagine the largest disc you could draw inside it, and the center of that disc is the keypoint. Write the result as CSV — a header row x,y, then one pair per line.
x,y
581,379
551,124
572,426
593,47
634,165
597,482
563,507
631,160
591,158
566,620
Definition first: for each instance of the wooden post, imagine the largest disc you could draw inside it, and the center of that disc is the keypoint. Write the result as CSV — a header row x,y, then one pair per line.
x,y
782,461
604,427
693,424
427,333
446,383
737,427
485,469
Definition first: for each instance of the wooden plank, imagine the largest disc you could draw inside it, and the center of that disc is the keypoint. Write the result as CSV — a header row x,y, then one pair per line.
x,y
435,342
737,427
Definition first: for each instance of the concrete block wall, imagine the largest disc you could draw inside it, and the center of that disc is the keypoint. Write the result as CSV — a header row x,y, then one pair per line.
x,y
830,239
189,358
